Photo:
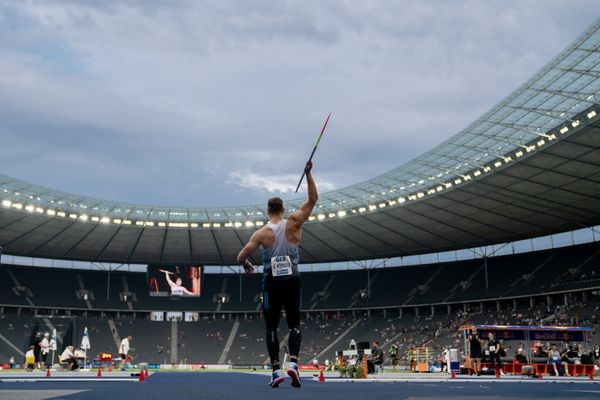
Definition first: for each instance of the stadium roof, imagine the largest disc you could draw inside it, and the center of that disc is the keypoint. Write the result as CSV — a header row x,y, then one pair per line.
x,y
528,167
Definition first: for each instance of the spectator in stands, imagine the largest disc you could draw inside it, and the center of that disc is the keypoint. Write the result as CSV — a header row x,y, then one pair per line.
x,y
45,345
68,357
475,351
539,352
124,351
494,349
11,362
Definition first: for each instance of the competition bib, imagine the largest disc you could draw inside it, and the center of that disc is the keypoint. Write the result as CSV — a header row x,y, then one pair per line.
x,y
492,348
281,266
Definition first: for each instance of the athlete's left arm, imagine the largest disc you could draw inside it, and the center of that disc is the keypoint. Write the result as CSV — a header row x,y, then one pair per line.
x,y
249,248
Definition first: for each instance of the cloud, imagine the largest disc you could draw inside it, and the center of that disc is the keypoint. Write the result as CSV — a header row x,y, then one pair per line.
x,y
188,102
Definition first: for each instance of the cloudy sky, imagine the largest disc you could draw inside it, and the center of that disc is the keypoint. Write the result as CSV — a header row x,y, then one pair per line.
x,y
214,103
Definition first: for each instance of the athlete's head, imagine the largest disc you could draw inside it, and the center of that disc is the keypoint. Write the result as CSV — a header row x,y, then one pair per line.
x,y
376,344
178,281
491,336
275,206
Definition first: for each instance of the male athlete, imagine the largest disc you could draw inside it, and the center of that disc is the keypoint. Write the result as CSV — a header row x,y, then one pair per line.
x,y
281,281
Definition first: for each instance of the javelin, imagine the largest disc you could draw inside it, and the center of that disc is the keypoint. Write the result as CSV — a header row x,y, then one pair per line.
x,y
313,150
168,272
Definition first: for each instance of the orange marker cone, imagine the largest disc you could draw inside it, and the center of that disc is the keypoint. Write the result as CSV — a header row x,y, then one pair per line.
x,y
142,376
321,377
453,375
99,372
48,373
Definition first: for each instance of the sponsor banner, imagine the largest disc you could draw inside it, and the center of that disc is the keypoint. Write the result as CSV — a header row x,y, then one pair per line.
x,y
310,367
195,366
557,336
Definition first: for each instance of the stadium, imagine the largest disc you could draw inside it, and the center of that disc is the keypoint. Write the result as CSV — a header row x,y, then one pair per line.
x,y
495,228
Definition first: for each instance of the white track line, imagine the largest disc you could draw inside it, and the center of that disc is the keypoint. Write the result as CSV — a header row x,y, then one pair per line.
x,y
69,380
455,380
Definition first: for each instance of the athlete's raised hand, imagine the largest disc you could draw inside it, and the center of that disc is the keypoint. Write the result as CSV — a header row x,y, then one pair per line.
x,y
248,267
308,167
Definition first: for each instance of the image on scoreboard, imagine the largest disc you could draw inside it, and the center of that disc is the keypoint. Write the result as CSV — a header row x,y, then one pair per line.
x,y
175,281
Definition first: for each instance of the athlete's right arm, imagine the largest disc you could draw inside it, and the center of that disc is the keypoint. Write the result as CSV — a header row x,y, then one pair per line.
x,y
169,281
249,248
301,215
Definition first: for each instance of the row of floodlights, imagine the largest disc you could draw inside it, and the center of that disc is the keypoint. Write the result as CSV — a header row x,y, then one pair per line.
x,y
499,162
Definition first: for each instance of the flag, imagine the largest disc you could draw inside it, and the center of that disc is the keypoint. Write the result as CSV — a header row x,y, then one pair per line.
x,y
85,340
53,340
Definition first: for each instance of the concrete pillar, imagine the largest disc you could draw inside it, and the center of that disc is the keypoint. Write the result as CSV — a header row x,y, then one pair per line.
x,y
584,297
449,309
566,299
400,310
384,313
515,304
498,305
481,306
432,311
531,302
549,301
465,307
417,311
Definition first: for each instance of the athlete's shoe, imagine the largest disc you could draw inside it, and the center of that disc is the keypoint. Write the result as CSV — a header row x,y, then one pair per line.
x,y
278,377
294,374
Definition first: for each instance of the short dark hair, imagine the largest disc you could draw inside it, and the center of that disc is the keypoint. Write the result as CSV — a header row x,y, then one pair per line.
x,y
275,205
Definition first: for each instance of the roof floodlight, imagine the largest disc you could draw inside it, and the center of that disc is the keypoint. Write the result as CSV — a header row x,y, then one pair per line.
x,y
431,191
487,168
249,224
541,143
311,218
575,123
83,217
50,212
139,223
117,221
381,205
39,210
237,224
206,225
162,224
372,207
497,163
216,225
126,222
61,214
105,220
401,200
18,206
448,185
591,114
228,225
6,203
420,194
392,202
331,215
321,217
95,219
564,130
457,181
29,208
362,209
552,137
261,223
73,216
477,173
519,153
439,188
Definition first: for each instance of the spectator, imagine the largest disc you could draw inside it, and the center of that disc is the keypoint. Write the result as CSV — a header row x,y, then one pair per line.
x,y
377,356
554,358
37,350
11,362
394,356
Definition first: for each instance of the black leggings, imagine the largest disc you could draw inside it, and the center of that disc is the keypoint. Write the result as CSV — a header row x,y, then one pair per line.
x,y
495,359
282,294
